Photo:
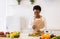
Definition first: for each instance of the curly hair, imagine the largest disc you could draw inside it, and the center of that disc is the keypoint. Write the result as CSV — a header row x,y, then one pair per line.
x,y
37,7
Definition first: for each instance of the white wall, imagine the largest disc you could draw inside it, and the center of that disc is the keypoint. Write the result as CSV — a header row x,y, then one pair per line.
x,y
50,9
2,15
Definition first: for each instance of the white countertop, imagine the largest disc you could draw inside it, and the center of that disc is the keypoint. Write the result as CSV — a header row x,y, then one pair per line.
x,y
23,36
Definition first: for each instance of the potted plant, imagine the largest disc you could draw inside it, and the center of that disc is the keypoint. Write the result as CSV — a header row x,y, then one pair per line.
x,y
18,2
32,1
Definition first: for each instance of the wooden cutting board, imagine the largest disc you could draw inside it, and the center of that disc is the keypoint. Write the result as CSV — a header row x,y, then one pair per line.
x,y
25,36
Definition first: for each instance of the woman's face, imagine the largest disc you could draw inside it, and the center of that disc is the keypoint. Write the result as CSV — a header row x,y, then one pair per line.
x,y
36,12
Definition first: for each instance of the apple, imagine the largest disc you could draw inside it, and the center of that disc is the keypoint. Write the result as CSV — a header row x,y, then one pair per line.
x,y
17,36
1,33
7,35
7,32
14,33
54,38
52,35
58,37
11,36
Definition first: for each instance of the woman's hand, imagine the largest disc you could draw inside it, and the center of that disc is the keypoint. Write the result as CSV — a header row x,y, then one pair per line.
x,y
33,27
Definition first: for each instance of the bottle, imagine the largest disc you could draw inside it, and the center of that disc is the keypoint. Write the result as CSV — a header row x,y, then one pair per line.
x,y
47,35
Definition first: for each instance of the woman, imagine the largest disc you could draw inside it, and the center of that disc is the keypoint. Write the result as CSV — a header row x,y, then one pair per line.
x,y
39,21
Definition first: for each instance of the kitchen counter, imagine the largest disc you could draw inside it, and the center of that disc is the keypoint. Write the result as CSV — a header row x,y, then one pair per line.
x,y
23,36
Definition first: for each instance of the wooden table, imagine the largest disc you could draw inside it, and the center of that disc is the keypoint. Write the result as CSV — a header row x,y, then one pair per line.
x,y
23,36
